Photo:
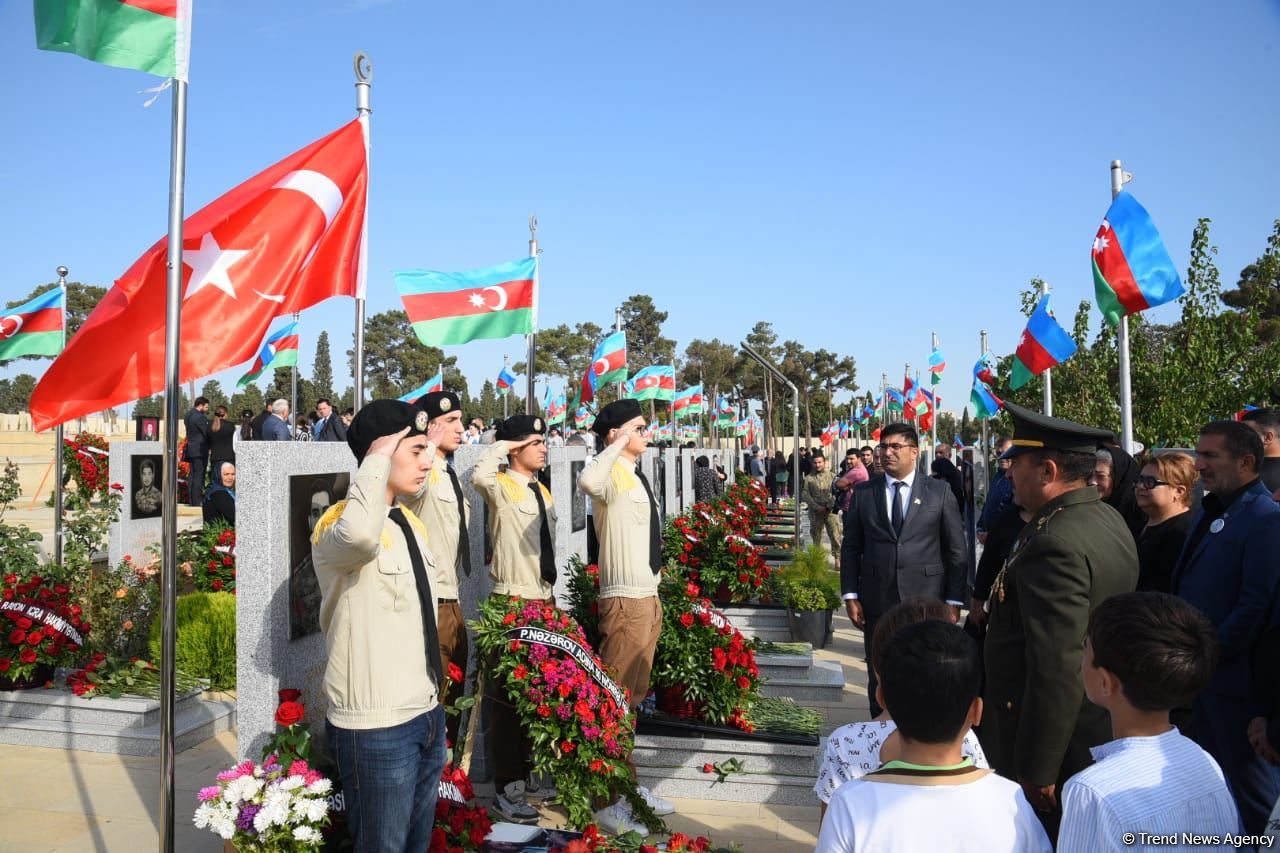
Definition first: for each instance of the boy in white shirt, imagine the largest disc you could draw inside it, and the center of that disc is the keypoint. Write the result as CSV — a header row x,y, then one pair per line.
x,y
932,797
1146,653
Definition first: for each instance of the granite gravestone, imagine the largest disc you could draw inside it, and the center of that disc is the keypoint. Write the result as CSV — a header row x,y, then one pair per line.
x,y
136,466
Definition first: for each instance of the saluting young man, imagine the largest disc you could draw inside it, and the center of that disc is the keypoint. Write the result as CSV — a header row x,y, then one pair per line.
x,y
445,513
524,566
629,529
378,613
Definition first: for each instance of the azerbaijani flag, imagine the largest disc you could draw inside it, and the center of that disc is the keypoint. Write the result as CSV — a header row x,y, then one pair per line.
x,y
896,401
506,379
435,383
147,35
688,402
34,327
546,399
1132,270
557,409
936,365
609,361
280,349
1044,344
454,308
724,412
583,418
657,382
1239,416
985,403
958,442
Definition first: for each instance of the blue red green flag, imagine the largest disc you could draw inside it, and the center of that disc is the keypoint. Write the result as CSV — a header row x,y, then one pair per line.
x,y
34,327
280,349
1132,270
1044,344
435,383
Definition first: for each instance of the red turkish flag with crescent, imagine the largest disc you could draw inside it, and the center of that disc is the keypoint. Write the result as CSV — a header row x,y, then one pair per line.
x,y
287,238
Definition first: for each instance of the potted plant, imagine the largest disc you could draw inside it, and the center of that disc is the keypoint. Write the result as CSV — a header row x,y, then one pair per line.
x,y
811,591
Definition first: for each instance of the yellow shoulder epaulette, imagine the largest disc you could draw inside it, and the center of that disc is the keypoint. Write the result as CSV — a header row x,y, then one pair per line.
x,y
515,492
433,476
415,522
546,493
329,519
623,478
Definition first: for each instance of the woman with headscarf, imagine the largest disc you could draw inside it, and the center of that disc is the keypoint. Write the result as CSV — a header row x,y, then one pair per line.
x,y
1115,474
220,497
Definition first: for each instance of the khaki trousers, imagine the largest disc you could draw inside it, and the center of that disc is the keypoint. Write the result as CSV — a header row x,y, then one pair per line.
x,y
629,629
452,629
830,523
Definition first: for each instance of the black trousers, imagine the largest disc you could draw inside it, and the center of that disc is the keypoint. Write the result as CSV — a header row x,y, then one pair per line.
x,y
195,482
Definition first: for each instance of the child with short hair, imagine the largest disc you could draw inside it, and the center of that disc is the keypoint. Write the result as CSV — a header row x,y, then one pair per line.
x,y
1145,653
932,797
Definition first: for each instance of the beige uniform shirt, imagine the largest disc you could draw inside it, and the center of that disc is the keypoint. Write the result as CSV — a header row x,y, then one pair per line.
x,y
517,525
620,511
437,506
376,676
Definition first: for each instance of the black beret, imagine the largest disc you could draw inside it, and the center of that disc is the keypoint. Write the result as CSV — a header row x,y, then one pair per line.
x,y
1034,431
517,427
615,415
439,403
383,417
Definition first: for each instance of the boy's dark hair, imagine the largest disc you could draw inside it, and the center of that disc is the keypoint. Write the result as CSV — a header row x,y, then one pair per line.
x,y
1161,648
930,677
899,616
907,431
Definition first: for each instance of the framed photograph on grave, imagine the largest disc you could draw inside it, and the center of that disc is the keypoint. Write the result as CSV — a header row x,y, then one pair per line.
x,y
679,479
145,484
310,496
147,429
578,499
660,481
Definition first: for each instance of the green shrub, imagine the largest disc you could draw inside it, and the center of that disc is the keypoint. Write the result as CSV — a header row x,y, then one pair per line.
x,y
808,582
807,596
206,638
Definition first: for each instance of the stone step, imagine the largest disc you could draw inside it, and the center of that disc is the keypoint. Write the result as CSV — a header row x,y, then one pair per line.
x,y
62,705
747,618
772,773
197,724
774,635
822,682
772,664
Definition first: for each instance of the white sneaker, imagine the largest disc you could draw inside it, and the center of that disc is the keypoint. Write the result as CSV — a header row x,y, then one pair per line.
x,y
512,804
660,806
617,819
540,788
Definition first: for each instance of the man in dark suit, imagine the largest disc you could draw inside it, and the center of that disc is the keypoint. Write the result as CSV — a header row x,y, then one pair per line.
x,y
329,426
255,426
1230,570
902,538
197,452
1074,552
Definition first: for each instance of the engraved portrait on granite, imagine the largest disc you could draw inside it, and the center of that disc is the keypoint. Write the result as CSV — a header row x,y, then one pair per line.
x,y
310,496
146,499
578,501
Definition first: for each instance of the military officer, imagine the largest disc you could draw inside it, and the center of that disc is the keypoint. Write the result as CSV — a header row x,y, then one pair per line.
x,y
445,513
822,502
1073,553
524,566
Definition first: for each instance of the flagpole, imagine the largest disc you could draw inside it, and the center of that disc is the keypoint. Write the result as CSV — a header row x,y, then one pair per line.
x,y
533,346
364,79
1048,374
293,384
617,327
169,526
982,346
59,496
884,399
506,398
1119,177
936,412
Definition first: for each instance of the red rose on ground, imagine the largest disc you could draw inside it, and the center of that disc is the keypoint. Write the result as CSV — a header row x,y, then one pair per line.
x,y
290,713
707,768
288,694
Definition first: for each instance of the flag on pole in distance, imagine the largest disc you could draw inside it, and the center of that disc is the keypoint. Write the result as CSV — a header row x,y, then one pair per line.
x,y
1239,416
583,418
937,364
875,434
147,35
458,307
957,442
1132,270
34,327
280,349
896,401
657,382
1044,344
282,241
985,403
546,399
435,383
689,402
506,379
609,361
556,411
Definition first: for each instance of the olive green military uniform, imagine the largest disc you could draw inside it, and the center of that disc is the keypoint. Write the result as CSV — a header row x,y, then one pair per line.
x,y
822,516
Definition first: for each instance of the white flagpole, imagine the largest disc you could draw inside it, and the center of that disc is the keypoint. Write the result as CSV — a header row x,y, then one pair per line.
x,y
1119,177
1048,374
982,456
933,390
59,496
533,346
364,79
169,512
506,398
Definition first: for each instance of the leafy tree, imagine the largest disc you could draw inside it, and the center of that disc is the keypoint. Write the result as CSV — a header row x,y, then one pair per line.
x,y
18,397
322,369
249,398
643,324
1259,289
213,391
149,407
834,373
488,405
395,361
7,404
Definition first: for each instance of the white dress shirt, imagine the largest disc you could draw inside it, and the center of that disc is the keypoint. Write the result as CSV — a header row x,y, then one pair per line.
x,y
904,495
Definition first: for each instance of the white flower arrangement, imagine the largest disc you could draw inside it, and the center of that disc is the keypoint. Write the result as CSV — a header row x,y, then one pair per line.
x,y
267,807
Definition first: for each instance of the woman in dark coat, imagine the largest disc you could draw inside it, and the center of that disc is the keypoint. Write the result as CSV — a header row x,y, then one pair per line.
x,y
222,433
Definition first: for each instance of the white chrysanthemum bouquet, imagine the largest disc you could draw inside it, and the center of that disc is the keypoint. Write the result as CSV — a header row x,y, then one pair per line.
x,y
267,807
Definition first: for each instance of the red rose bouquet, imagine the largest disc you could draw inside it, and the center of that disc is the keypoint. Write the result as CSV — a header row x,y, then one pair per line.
x,y
41,629
85,459
460,823
213,560
576,718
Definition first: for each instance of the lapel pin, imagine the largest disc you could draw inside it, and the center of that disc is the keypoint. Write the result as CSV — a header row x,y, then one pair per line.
x,y
916,502
1217,525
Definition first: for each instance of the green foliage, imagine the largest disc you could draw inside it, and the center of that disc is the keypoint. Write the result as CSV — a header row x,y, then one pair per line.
x,y
213,391
1258,290
15,393
120,603
643,323
19,546
249,397
206,638
322,370
807,583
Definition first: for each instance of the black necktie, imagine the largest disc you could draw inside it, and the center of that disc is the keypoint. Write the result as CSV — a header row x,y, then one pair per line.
x,y
431,639
546,547
655,527
464,544
896,516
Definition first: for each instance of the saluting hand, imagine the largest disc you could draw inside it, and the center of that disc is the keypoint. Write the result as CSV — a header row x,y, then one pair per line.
x,y
385,445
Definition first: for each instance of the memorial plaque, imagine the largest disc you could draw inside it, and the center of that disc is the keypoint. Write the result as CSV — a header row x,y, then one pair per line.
x,y
146,497
579,498
310,496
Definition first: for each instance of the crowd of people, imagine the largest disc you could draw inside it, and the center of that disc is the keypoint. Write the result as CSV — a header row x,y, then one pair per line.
x,y
1119,684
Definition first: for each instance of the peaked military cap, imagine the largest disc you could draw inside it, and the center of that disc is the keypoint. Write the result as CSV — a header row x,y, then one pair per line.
x,y
615,415
517,427
439,403
383,417
1034,431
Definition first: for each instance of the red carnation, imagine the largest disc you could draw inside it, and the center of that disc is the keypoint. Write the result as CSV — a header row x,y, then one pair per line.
x,y
567,747
216,585
290,713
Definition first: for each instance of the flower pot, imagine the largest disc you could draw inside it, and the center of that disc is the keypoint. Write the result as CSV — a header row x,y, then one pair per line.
x,y
671,701
39,675
810,626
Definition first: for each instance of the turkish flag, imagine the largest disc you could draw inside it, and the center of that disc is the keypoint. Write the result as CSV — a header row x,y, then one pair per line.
x,y
284,240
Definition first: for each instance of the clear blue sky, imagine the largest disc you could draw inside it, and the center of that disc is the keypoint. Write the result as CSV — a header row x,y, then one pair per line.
x,y
858,174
